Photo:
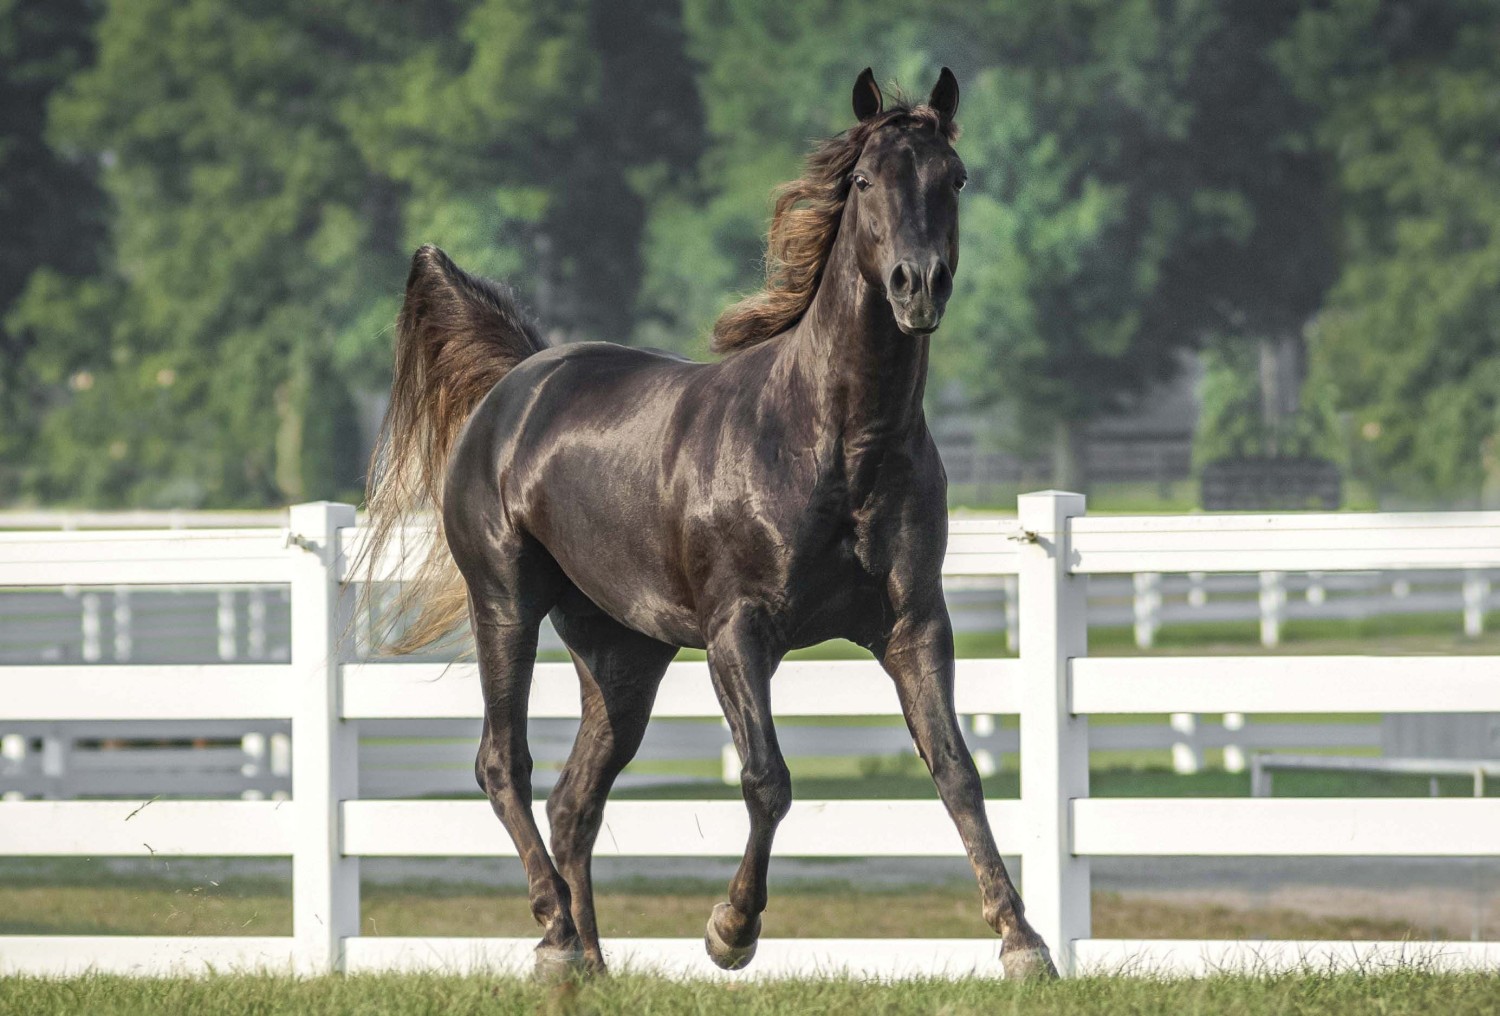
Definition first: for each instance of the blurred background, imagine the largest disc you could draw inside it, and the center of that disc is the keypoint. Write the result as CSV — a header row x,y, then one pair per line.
x,y
1196,232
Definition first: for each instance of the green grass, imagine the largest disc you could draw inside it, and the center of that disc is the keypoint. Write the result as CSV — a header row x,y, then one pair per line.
x,y
641,909
903,777
1310,993
1176,497
1386,635
1391,635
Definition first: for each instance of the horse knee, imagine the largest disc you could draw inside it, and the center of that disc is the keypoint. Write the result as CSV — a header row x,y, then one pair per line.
x,y
562,818
768,791
575,822
499,777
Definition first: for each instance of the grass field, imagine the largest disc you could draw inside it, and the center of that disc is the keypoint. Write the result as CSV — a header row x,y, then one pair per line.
x,y
904,777
1307,994
654,909
1385,635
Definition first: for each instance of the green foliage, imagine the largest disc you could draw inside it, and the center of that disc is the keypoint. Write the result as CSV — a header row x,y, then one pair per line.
x,y
774,76
1232,423
208,207
1138,165
533,142
1410,338
270,168
246,253
51,212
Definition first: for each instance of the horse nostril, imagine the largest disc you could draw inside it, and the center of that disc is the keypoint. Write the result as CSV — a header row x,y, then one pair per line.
x,y
940,281
901,281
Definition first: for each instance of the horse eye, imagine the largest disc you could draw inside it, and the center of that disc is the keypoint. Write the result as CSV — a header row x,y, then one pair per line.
x,y
959,183
861,181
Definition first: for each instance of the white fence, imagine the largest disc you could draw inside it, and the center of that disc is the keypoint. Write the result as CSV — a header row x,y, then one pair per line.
x,y
1055,826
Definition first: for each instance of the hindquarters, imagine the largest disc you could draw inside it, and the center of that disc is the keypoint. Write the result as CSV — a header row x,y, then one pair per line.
x,y
457,336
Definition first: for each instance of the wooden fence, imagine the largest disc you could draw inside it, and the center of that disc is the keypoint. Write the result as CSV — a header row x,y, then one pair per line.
x,y
1055,826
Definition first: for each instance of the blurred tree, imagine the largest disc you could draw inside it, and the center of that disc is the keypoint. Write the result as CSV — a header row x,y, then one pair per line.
x,y
1144,180
1232,422
52,211
775,74
1410,338
251,254
534,141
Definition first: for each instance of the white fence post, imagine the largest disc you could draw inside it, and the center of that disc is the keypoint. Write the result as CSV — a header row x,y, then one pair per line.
x,y
92,628
983,725
255,644
1147,604
1316,592
325,749
1272,608
124,643
228,634
1234,754
1197,589
1186,758
1054,742
1476,594
1012,614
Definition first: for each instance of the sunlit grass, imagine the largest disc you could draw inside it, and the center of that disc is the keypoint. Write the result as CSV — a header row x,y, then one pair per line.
x,y
1307,994
643,909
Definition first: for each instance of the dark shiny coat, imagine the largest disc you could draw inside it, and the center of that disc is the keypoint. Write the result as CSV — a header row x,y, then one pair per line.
x,y
788,494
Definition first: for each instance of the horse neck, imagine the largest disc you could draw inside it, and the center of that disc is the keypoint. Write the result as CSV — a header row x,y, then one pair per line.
x,y
867,376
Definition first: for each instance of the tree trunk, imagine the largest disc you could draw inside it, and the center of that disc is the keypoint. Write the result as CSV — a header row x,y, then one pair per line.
x,y
1069,457
1281,374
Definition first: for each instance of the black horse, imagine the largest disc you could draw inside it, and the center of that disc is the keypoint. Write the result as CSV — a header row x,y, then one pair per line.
x,y
787,494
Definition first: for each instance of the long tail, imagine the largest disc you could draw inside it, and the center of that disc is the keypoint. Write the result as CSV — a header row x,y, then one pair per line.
x,y
457,336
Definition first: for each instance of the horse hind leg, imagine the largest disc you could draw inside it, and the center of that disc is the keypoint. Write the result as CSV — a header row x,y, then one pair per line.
x,y
507,601
619,671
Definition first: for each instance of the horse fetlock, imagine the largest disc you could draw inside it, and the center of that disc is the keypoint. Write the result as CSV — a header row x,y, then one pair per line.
x,y
1031,961
552,908
731,937
1008,920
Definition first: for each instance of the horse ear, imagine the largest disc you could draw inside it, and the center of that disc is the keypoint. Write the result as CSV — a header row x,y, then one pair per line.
x,y
944,96
868,101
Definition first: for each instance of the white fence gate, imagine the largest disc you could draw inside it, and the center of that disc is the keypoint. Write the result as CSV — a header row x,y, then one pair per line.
x,y
1055,826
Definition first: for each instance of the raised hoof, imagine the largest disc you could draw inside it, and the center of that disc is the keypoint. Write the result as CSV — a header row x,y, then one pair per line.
x,y
1028,964
729,957
555,963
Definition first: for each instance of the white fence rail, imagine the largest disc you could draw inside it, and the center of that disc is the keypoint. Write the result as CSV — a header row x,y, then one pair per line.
x,y
1055,826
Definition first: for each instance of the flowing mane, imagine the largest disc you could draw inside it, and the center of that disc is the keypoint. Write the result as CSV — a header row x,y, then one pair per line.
x,y
803,226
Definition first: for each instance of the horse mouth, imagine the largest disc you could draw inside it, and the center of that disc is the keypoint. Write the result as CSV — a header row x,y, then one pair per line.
x,y
919,328
917,321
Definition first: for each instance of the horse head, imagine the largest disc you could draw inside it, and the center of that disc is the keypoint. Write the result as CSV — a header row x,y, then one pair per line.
x,y
903,201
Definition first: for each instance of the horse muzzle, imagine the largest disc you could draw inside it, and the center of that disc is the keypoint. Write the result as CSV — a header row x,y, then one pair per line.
x,y
919,294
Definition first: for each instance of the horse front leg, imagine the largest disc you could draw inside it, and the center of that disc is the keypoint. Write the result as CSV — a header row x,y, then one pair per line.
x,y
741,663
919,658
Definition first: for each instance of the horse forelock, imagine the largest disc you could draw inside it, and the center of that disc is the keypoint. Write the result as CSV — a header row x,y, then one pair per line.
x,y
805,223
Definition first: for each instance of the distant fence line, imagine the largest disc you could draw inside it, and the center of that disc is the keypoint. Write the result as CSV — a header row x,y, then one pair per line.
x,y
1160,458
252,624
123,623
1056,825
